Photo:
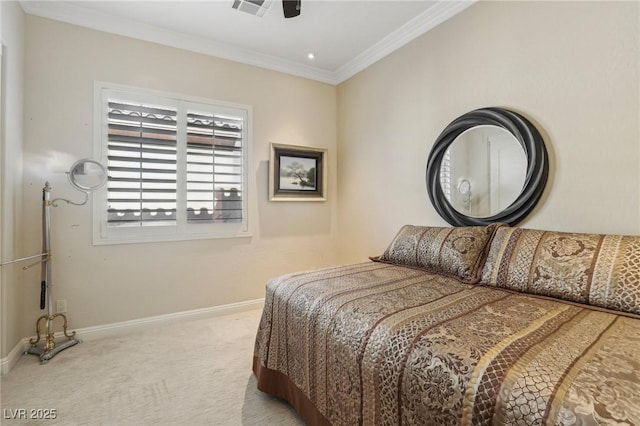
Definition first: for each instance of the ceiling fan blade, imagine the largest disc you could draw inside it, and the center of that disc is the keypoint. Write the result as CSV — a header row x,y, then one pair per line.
x,y
291,8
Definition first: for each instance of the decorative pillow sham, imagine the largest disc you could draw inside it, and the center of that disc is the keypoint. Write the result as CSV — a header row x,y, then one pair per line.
x,y
456,252
600,270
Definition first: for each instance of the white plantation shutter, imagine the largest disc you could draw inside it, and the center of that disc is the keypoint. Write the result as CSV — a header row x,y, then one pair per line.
x,y
177,168
142,161
214,167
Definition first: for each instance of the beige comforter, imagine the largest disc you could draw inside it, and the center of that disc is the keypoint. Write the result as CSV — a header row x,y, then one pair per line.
x,y
373,343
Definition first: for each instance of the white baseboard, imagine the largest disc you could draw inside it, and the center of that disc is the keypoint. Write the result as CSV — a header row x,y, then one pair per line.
x,y
10,360
126,327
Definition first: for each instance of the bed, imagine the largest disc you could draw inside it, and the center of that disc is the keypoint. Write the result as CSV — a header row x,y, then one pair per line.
x,y
428,334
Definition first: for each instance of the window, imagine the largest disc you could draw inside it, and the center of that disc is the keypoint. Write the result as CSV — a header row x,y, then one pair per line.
x,y
177,167
445,174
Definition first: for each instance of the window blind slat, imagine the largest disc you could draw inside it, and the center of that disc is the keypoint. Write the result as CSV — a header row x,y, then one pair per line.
x,y
217,142
131,130
206,142
133,148
142,191
137,169
136,140
142,160
135,210
146,200
220,117
229,173
199,173
138,180
126,119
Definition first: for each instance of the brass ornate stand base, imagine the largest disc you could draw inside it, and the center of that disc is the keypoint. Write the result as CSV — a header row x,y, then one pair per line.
x,y
49,348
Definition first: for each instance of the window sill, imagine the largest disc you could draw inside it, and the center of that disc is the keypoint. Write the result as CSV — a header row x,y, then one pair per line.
x,y
166,238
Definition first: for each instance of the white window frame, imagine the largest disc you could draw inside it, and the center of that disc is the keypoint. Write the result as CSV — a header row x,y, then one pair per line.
x,y
103,234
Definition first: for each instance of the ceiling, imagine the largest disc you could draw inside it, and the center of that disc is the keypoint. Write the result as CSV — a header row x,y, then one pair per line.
x,y
345,36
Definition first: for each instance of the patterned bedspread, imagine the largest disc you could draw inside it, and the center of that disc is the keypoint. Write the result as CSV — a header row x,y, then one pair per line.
x,y
374,343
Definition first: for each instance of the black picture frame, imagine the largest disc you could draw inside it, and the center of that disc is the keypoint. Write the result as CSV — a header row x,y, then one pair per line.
x,y
297,173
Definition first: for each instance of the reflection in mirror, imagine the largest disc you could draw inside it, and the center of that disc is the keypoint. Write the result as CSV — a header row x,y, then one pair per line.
x,y
483,171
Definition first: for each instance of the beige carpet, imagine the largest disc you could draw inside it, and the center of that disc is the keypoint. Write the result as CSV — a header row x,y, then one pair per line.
x,y
193,373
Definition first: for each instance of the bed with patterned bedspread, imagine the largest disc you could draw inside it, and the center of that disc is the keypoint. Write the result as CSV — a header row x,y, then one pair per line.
x,y
453,326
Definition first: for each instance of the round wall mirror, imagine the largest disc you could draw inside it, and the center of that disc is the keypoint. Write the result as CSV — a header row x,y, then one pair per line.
x,y
87,175
489,165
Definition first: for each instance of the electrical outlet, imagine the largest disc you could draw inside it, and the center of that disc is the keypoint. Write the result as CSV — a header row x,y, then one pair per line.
x,y
61,306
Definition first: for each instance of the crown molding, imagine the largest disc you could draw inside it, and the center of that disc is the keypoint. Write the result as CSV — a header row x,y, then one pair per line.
x,y
429,19
77,15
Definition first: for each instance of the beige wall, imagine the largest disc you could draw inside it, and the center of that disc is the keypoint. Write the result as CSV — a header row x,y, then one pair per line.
x,y
106,284
573,68
11,135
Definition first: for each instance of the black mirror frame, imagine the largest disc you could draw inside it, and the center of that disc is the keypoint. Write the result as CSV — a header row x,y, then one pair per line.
x,y
537,166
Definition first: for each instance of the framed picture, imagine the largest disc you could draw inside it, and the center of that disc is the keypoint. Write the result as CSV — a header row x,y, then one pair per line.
x,y
297,173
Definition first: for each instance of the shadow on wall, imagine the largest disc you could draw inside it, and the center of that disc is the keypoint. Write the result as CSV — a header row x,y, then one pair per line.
x,y
260,408
548,143
290,218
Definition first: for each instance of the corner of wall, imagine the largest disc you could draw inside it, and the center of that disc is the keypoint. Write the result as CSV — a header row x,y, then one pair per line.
x,y
12,36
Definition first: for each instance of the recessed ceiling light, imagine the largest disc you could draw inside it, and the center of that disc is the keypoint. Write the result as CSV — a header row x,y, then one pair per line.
x,y
311,55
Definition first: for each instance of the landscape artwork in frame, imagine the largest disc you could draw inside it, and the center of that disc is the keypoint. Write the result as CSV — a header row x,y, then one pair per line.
x,y
297,173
